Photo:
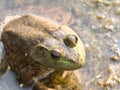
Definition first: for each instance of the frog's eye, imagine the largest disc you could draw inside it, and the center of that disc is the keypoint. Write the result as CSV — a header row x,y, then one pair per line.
x,y
70,40
55,55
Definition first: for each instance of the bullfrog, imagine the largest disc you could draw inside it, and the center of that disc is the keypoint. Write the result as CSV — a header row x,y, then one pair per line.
x,y
37,48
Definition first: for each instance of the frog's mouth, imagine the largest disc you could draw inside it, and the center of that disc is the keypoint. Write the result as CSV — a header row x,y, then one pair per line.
x,y
62,65
65,65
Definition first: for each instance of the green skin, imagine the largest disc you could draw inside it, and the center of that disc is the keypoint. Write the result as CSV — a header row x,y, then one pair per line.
x,y
30,40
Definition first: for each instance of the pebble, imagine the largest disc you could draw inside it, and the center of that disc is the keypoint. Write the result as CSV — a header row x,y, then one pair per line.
x,y
109,27
100,16
117,11
116,2
110,21
115,58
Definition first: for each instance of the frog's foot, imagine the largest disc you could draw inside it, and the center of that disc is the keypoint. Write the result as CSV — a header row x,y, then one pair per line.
x,y
3,67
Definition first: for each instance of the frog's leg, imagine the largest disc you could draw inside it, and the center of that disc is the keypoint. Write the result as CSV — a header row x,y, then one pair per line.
x,y
30,74
55,78
3,66
39,81
25,75
40,77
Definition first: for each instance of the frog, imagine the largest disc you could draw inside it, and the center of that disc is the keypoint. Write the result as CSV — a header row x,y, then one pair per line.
x,y
38,49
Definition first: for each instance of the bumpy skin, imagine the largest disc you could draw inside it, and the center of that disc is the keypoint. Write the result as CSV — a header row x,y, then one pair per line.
x,y
29,42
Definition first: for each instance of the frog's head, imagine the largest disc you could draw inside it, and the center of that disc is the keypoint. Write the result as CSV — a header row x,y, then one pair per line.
x,y
63,51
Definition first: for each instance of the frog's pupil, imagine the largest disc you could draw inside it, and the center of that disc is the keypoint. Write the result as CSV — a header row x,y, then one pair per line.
x,y
55,54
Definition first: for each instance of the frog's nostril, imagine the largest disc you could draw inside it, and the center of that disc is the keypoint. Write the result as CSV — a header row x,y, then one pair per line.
x,y
71,40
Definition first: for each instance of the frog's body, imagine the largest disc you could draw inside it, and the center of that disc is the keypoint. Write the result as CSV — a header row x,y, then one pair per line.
x,y
35,46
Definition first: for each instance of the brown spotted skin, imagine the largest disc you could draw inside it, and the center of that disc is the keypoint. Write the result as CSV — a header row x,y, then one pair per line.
x,y
24,35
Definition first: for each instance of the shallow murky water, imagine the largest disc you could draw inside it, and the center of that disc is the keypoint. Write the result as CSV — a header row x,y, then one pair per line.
x,y
98,24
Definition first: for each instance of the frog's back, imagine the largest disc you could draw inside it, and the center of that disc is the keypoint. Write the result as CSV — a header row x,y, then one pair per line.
x,y
33,21
29,28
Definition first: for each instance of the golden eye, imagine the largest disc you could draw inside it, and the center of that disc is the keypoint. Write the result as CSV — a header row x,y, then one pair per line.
x,y
71,40
55,55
